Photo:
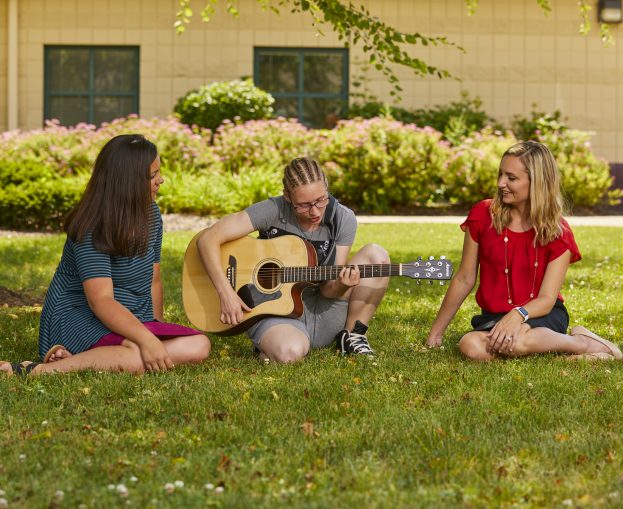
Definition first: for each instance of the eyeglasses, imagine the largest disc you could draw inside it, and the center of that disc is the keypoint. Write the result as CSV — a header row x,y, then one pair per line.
x,y
306,207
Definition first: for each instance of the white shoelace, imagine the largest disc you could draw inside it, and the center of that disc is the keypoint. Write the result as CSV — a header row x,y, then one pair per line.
x,y
359,343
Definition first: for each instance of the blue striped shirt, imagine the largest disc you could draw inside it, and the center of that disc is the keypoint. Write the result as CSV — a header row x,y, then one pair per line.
x,y
67,319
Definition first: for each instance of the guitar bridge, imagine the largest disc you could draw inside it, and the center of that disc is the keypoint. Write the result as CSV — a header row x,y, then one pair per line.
x,y
231,271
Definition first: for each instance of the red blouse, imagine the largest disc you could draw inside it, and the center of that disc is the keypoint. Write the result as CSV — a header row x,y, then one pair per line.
x,y
492,294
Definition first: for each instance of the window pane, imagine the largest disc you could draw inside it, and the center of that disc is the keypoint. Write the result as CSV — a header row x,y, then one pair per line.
x,y
323,73
115,70
322,113
69,110
68,70
278,72
286,107
109,108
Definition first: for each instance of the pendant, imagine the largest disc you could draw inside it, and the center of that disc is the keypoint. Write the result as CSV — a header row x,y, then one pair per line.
x,y
510,301
532,296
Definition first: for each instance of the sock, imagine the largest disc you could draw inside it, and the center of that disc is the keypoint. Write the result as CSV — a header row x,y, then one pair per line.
x,y
360,328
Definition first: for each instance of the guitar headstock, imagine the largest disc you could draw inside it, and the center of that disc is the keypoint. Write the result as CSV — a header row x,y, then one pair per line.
x,y
432,269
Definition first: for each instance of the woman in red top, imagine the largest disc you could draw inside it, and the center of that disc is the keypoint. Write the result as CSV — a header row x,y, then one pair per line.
x,y
523,247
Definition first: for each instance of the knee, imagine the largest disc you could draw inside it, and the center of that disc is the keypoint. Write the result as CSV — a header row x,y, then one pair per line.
x,y
200,348
375,253
472,346
290,351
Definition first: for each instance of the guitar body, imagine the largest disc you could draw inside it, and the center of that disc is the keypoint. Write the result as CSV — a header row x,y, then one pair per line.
x,y
248,263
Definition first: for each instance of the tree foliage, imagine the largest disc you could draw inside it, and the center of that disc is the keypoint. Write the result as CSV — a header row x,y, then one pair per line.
x,y
385,45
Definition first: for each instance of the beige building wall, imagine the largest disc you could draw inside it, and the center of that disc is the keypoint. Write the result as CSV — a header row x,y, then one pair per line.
x,y
514,55
4,36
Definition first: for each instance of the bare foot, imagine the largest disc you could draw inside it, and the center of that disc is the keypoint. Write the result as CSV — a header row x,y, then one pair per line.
x,y
61,353
56,353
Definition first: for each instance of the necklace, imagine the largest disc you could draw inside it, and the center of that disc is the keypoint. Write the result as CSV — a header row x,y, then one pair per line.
x,y
506,271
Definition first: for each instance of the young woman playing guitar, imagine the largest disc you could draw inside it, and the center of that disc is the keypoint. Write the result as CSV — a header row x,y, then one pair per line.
x,y
335,311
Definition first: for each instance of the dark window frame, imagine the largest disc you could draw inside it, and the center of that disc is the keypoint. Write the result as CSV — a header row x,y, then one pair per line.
x,y
91,94
300,95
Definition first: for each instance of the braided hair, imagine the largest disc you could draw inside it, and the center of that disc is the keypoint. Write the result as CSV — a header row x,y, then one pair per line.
x,y
302,170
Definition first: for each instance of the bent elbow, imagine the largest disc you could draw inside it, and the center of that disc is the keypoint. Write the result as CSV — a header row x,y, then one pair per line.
x,y
467,281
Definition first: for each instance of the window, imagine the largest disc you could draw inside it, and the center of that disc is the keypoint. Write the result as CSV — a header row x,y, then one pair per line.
x,y
310,84
91,84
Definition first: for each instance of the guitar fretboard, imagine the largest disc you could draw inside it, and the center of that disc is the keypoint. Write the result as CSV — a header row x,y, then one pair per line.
x,y
327,272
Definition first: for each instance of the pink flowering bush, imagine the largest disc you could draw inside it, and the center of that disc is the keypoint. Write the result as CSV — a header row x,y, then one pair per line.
x,y
376,165
272,143
44,171
380,164
470,173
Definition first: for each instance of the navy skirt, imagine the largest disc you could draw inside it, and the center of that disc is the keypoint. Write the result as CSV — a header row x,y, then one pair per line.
x,y
557,319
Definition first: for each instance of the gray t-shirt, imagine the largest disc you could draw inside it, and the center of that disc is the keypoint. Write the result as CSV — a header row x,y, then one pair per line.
x,y
275,216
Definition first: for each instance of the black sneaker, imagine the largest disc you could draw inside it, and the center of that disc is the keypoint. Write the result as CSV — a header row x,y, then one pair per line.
x,y
355,341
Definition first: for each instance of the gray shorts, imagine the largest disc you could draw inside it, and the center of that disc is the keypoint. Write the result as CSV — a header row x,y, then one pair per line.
x,y
321,320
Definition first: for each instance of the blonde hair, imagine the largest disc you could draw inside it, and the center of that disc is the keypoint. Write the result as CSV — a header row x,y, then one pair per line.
x,y
301,171
546,201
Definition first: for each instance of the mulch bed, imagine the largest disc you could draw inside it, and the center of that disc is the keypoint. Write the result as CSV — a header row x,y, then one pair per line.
x,y
11,298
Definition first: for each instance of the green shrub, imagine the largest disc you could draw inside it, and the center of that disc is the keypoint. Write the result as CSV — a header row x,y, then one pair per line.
x,y
467,111
374,109
18,172
211,104
40,204
218,193
455,120
536,124
586,178
377,165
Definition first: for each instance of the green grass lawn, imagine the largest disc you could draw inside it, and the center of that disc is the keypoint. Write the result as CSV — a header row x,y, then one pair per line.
x,y
411,428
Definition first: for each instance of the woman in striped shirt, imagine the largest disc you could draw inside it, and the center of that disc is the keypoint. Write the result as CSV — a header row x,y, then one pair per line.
x,y
104,307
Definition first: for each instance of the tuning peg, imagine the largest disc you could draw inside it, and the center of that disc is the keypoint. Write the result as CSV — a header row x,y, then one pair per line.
x,y
431,257
442,283
419,258
442,257
418,282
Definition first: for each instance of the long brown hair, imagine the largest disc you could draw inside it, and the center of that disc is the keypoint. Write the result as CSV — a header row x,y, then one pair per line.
x,y
546,201
115,206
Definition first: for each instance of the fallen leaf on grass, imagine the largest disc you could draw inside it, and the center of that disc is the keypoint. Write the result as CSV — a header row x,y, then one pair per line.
x,y
224,463
308,429
561,437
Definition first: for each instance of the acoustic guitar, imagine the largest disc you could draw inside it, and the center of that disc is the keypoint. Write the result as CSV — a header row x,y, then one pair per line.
x,y
270,275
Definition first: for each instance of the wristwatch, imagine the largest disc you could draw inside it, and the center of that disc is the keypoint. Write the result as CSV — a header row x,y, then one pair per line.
x,y
523,312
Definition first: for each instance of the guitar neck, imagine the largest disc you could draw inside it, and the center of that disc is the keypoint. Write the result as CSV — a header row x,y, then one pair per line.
x,y
328,272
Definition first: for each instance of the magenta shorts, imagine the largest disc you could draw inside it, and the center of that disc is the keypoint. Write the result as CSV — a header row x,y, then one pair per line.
x,y
161,330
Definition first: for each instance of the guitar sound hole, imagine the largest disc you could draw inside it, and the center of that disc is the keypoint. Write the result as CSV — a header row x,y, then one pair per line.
x,y
268,276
